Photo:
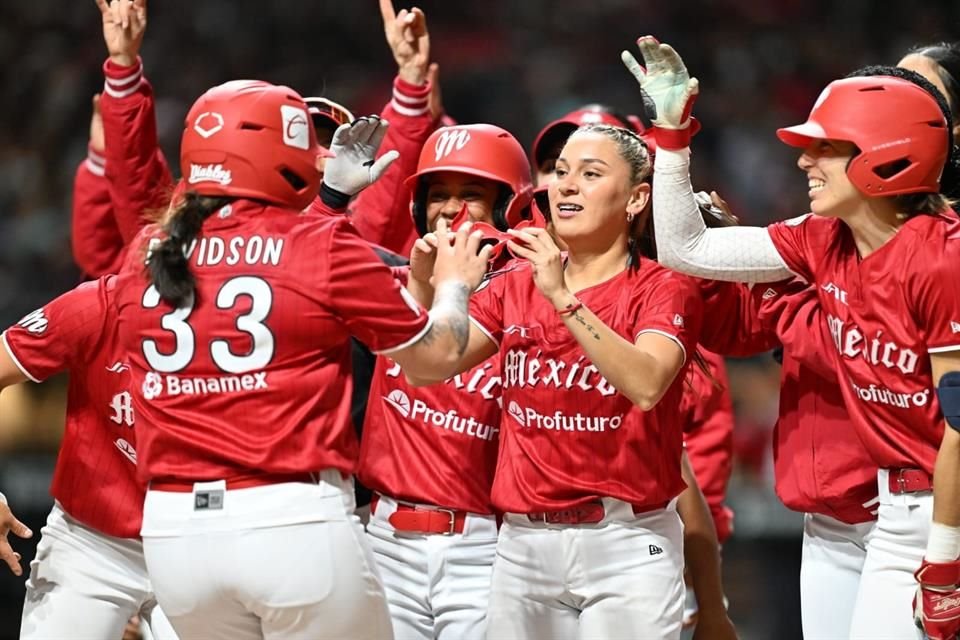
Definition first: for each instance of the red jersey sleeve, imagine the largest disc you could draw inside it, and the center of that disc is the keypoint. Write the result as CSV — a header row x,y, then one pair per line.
x,y
798,240
138,175
95,239
792,310
935,295
61,335
381,212
486,306
731,324
364,293
669,304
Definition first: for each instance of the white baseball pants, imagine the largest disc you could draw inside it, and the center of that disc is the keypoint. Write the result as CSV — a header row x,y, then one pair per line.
x,y
86,585
438,586
619,578
833,556
274,562
884,607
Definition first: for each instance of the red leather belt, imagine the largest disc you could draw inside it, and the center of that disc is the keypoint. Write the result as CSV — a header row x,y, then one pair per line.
x,y
416,519
587,513
238,482
908,481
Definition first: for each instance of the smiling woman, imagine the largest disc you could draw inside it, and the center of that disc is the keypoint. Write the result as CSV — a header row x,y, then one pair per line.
x,y
588,447
881,254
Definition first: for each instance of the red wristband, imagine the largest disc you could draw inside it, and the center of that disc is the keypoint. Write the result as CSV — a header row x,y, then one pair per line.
x,y
570,309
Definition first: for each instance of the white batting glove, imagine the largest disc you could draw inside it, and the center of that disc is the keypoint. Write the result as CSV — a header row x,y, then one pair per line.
x,y
354,147
668,90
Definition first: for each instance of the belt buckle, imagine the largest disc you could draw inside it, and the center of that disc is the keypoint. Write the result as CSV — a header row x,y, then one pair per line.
x,y
901,481
453,521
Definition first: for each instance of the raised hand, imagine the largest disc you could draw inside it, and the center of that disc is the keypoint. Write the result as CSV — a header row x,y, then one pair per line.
x,y
354,166
409,41
669,91
124,23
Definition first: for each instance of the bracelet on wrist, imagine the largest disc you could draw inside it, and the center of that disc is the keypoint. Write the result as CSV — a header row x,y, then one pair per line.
x,y
570,309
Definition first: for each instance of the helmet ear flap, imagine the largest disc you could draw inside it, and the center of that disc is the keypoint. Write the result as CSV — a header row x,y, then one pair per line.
x,y
418,208
500,205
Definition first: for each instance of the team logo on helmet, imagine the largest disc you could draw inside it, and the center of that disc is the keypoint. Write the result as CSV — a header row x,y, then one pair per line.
x,y
208,123
450,140
399,401
209,173
296,127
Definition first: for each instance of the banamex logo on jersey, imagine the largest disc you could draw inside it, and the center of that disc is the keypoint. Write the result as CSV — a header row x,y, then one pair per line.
x,y
450,140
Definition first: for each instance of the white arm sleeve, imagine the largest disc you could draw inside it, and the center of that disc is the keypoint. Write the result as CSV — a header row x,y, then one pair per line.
x,y
685,244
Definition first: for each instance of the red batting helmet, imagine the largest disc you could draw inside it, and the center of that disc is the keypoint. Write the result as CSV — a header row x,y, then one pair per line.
x,y
251,139
898,127
481,150
559,130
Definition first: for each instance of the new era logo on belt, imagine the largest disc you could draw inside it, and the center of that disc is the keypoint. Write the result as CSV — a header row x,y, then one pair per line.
x,y
204,500
655,550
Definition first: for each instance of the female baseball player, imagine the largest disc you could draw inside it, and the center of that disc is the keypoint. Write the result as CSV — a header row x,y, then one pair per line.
x,y
238,342
430,452
89,577
706,410
821,468
589,462
874,183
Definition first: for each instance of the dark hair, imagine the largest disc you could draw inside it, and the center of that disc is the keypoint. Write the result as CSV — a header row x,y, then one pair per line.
x,y
947,57
167,261
925,203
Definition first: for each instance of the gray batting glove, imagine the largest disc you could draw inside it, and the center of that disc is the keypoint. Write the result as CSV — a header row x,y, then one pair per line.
x,y
669,90
355,166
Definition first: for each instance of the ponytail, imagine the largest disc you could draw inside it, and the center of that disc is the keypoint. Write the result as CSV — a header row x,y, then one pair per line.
x,y
167,262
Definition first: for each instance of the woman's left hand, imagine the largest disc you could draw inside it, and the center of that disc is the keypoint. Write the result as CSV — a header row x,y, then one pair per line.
x,y
535,245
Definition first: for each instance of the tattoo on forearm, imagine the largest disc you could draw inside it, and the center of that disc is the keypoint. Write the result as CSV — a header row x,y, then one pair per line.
x,y
450,314
589,327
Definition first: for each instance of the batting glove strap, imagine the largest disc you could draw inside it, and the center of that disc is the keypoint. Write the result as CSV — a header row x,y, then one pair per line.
x,y
676,138
940,575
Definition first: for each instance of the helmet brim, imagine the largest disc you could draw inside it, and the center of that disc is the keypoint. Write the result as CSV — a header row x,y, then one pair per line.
x,y
800,135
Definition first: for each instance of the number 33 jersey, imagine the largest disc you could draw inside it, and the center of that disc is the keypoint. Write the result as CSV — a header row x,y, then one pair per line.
x,y
253,374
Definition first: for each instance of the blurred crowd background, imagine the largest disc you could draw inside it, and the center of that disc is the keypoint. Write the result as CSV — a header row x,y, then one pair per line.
x,y
515,63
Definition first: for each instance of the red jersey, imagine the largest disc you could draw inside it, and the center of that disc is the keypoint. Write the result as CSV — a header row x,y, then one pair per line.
x,y
95,475
820,463
254,375
567,435
137,173
707,415
885,313
434,445
94,236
